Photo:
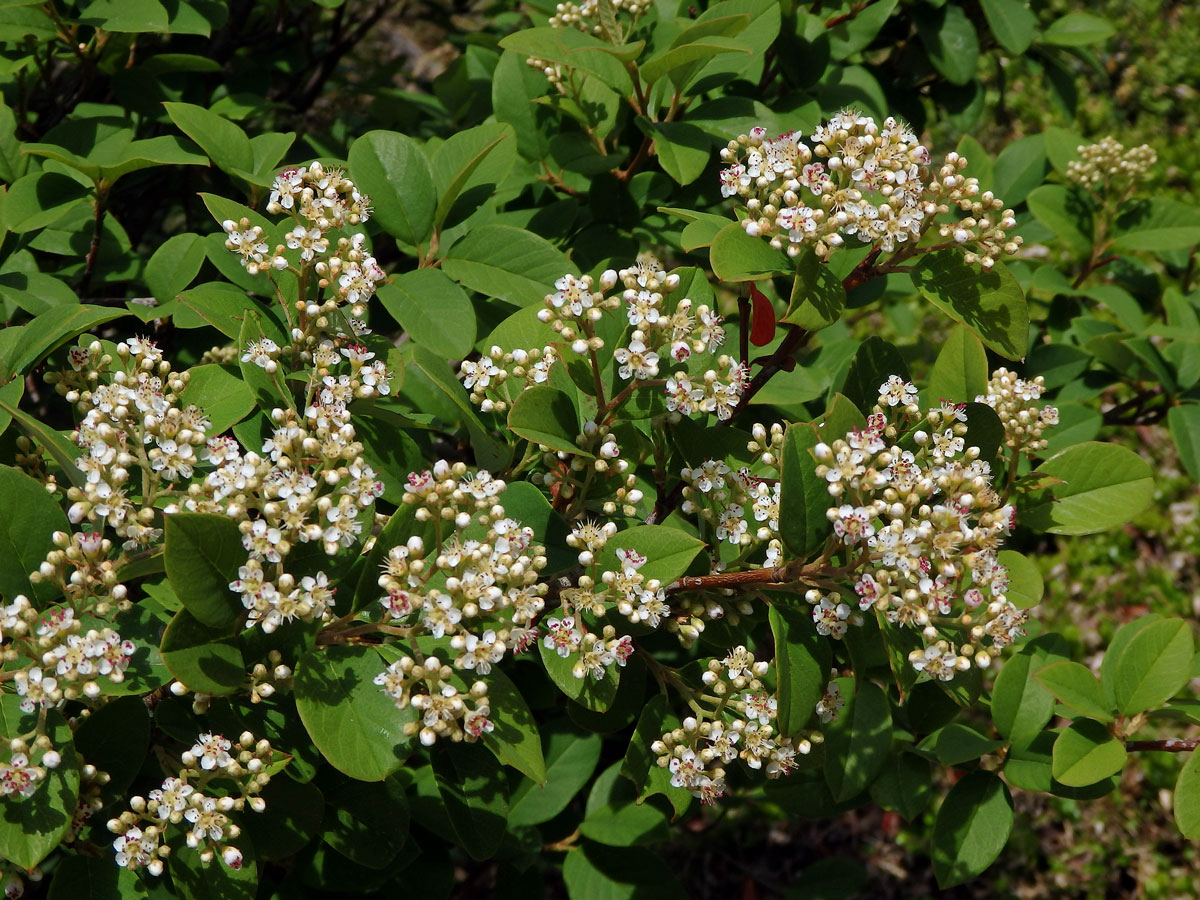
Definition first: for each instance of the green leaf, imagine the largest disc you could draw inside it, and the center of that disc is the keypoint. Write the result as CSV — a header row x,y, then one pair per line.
x,y
571,759
292,817
366,822
1078,29
1184,423
224,141
575,49
857,741
1156,225
989,303
1187,798
38,199
1067,211
546,416
391,168
960,371
221,305
1011,22
477,157
1104,485
682,61
354,724
1025,585
802,660
216,881
874,362
267,388
608,873
94,878
735,256
904,785
433,310
804,497
1021,706
1075,686
508,263
36,293
475,795
514,737
46,333
971,828
950,41
818,297
173,265
515,88
28,519
668,551
958,743
114,739
595,694
60,448
1153,666
202,555
682,149
489,452
1086,753
221,394
614,815
33,826
205,658
1019,168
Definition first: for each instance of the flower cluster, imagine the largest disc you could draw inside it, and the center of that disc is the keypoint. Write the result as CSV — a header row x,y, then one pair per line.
x,y
859,179
576,306
919,519
740,726
209,830
742,508
66,662
443,709
585,16
1107,166
487,378
1015,402
479,587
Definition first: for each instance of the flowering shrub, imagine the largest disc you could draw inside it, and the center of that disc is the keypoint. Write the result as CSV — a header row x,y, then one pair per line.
x,y
410,517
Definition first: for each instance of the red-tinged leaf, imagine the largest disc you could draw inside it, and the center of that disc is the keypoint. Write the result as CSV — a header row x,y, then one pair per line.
x,y
762,317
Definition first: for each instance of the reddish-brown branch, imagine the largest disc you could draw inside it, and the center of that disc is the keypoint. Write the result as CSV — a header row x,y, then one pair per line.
x,y
773,575
1170,745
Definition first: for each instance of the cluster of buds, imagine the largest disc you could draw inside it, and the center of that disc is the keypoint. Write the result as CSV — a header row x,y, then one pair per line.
x,y
857,179
133,418
181,801
90,801
569,473
740,726
444,710
480,586
923,527
487,378
83,568
1107,166
740,507
266,678
585,16
576,306
1015,402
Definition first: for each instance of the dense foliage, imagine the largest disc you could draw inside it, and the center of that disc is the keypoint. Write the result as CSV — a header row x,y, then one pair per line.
x,y
647,426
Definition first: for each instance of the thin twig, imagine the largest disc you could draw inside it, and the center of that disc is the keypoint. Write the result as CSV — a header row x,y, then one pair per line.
x,y
1170,745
